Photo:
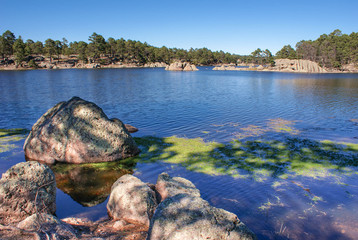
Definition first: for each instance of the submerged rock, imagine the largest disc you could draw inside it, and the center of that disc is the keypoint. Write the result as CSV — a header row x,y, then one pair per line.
x,y
181,66
131,200
78,131
25,189
186,216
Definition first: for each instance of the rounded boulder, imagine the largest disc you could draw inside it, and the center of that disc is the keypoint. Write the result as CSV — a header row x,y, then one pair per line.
x,y
78,131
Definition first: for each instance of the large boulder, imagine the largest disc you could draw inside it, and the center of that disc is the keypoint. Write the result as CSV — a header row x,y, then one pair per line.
x,y
186,216
131,200
25,189
168,186
181,66
78,131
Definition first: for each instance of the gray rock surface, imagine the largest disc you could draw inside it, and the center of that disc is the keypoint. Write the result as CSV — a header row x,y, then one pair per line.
x,y
78,131
131,200
25,189
185,216
168,186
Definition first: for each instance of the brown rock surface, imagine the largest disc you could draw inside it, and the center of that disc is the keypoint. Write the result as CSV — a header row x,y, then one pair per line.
x,y
131,200
25,189
167,186
49,224
78,131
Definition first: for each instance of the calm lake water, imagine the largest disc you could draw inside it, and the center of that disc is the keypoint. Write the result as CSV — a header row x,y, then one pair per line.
x,y
297,110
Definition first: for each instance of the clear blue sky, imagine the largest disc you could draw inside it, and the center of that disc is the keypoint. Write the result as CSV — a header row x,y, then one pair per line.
x,y
232,26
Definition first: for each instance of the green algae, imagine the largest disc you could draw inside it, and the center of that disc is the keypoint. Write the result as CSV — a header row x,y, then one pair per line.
x,y
257,159
8,137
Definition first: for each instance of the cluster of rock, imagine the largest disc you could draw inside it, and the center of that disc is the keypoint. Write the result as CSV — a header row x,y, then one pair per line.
x,y
78,131
156,65
170,209
181,66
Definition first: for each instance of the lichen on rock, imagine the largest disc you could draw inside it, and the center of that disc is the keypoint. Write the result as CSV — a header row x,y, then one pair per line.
x,y
78,131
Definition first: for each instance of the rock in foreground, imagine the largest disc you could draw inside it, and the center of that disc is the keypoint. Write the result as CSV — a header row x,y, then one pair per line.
x,y
49,224
181,66
185,216
131,200
78,131
27,188
168,187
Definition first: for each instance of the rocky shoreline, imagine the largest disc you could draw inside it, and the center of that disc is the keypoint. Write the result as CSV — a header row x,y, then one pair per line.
x,y
57,66
170,209
78,131
287,65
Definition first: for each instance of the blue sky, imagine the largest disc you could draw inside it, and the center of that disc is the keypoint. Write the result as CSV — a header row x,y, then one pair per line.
x,y
232,26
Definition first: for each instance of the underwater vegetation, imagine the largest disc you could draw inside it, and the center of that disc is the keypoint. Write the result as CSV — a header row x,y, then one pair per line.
x,y
8,137
258,159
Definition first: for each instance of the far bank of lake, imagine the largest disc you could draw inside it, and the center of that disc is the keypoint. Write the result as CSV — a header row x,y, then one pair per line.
x,y
279,175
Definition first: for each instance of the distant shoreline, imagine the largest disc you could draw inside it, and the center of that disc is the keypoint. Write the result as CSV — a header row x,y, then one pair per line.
x,y
286,67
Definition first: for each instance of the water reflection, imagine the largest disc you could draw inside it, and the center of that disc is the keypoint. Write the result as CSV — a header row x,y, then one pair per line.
x,y
90,184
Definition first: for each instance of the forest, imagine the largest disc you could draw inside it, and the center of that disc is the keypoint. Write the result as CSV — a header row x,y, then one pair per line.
x,y
330,51
105,51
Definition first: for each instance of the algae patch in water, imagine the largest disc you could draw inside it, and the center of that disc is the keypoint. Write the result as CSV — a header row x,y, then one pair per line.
x,y
257,159
9,136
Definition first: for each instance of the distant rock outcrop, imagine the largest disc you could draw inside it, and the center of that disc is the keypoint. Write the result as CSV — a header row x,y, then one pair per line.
x,y
281,65
78,131
181,66
225,68
156,65
351,67
294,65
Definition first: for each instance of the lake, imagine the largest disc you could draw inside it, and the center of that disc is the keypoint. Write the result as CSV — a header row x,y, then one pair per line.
x,y
280,148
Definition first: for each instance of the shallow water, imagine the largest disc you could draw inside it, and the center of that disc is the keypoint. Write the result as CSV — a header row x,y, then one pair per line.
x,y
216,106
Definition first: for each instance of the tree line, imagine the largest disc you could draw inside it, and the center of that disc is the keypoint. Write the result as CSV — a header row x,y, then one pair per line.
x,y
332,51
106,51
